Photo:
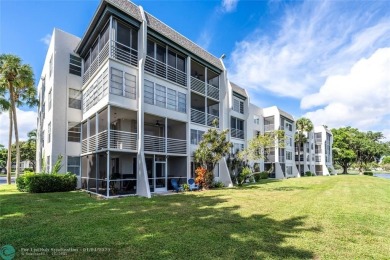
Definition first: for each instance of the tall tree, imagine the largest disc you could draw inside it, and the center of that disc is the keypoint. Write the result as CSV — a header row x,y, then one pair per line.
x,y
17,80
211,149
344,144
303,127
3,156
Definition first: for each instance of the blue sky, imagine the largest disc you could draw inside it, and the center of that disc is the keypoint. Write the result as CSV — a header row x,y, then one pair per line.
x,y
327,60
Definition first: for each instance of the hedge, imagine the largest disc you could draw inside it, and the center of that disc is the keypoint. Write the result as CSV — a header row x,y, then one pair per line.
x,y
42,182
369,173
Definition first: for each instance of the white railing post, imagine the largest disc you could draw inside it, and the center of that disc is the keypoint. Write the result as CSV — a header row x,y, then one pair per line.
x,y
108,127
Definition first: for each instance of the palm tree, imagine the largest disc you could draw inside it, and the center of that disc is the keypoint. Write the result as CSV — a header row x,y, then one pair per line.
x,y
17,80
303,127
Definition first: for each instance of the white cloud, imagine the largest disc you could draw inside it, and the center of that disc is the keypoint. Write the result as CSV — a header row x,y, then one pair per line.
x,y
204,39
46,40
311,42
27,121
360,98
229,5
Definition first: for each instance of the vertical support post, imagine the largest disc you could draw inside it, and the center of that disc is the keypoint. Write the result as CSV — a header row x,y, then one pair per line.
x,y
108,173
96,149
110,32
109,127
166,135
88,133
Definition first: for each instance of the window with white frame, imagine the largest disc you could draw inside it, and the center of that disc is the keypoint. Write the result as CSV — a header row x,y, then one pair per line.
x,y
123,84
238,105
74,132
74,65
237,128
74,98
288,155
196,136
256,120
73,165
51,65
237,147
161,96
288,126
49,132
49,98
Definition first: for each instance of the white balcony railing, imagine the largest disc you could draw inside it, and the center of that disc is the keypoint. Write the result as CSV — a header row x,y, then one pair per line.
x,y
212,92
165,71
154,144
118,51
176,146
123,140
198,86
203,118
270,127
118,140
269,158
237,133
318,158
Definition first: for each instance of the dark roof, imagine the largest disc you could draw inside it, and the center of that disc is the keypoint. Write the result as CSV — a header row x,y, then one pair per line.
x,y
134,11
182,41
238,89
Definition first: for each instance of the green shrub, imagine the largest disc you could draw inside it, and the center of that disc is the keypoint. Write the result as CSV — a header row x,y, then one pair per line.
x,y
42,182
217,184
369,173
186,187
243,175
264,175
308,173
28,170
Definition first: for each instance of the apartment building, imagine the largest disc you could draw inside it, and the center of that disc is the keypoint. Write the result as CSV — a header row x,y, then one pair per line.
x,y
280,160
127,104
316,154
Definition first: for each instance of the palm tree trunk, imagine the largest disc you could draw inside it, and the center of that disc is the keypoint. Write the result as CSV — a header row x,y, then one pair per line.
x,y
13,107
9,158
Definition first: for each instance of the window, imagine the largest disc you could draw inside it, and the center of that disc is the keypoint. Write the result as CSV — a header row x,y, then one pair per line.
x,y
238,105
288,126
51,65
196,136
171,99
116,82
73,165
48,164
182,102
149,92
160,96
74,98
123,84
126,42
74,132
288,155
49,132
256,120
237,128
237,147
75,65
49,98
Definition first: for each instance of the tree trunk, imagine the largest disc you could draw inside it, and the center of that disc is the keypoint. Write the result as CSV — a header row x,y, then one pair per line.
x,y
13,107
345,167
9,158
299,159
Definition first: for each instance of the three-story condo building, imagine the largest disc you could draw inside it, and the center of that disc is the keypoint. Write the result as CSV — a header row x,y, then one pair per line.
x,y
127,104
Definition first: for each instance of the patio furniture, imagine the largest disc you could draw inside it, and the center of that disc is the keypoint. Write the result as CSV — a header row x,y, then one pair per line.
x,y
192,184
176,186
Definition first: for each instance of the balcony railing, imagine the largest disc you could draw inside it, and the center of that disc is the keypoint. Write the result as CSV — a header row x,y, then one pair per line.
x,y
164,145
281,159
120,140
176,146
203,118
165,71
269,158
212,92
237,133
318,158
269,127
123,140
318,140
118,51
198,86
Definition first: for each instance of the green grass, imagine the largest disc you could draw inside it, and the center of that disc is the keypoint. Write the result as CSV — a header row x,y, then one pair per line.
x,y
336,217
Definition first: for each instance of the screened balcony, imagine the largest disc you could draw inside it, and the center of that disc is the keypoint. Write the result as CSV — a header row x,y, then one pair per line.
x,y
123,48
204,111
205,85
120,134
163,135
269,124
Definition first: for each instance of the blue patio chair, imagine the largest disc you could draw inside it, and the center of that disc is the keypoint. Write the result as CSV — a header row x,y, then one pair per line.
x,y
176,186
192,184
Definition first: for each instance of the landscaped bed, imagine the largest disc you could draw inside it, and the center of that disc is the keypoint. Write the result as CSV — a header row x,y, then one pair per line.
x,y
343,217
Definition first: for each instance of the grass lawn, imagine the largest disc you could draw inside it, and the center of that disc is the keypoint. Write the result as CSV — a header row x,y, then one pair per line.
x,y
336,217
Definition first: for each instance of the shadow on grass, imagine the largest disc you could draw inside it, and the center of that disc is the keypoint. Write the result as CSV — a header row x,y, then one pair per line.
x,y
190,226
